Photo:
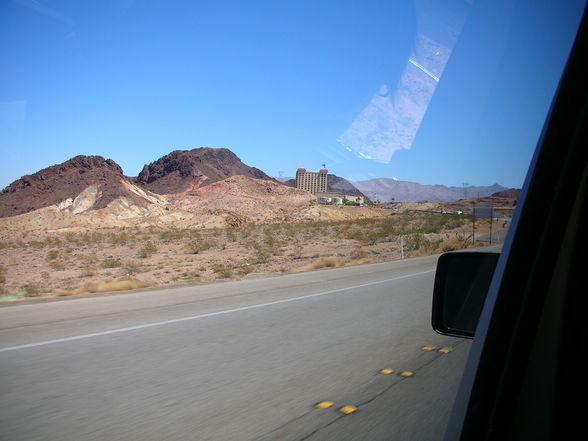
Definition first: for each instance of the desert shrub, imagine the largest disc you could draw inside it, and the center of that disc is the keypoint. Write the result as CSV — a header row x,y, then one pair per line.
x,y
117,285
269,239
321,262
111,262
230,233
435,223
2,274
343,228
416,241
223,271
246,268
57,265
31,290
147,250
354,234
46,242
297,251
262,254
358,253
172,235
71,238
430,222
367,222
276,250
289,230
325,262
199,246
386,231
190,275
52,255
120,238
420,245
132,268
85,238
88,270
459,242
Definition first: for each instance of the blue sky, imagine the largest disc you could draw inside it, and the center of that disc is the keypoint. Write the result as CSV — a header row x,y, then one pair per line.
x,y
430,91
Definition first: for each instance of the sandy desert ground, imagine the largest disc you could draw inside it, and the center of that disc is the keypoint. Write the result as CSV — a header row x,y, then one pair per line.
x,y
75,261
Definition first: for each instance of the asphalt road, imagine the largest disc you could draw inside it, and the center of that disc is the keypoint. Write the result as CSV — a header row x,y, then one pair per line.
x,y
240,361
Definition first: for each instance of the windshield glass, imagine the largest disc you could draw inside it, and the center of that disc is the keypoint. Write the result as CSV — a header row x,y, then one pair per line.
x,y
314,157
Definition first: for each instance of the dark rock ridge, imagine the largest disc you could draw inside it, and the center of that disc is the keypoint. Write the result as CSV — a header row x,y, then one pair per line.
x,y
57,183
337,184
512,193
183,170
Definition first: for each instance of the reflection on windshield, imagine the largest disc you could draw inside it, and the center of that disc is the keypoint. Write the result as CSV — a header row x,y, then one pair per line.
x,y
391,119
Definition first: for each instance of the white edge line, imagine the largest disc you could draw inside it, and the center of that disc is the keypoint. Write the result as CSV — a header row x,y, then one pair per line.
x,y
210,314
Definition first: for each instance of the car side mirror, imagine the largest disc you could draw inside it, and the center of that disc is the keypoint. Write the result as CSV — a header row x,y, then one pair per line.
x,y
461,285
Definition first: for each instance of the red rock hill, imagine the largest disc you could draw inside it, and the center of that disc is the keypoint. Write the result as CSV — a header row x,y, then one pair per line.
x,y
184,170
58,183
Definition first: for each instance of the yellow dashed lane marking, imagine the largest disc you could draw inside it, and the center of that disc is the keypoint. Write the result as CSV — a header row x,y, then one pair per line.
x,y
445,350
386,371
406,374
428,348
324,404
348,409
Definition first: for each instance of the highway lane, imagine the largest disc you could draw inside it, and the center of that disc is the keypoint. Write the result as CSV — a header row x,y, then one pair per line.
x,y
240,361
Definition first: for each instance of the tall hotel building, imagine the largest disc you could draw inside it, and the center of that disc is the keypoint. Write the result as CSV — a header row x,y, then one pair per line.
x,y
312,181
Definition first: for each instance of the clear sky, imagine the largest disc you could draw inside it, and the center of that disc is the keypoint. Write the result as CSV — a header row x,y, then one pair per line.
x,y
430,91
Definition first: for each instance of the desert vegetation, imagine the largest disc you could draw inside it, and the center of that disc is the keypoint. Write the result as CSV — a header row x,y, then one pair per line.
x,y
63,263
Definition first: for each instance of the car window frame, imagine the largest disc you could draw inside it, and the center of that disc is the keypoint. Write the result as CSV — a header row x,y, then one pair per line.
x,y
501,351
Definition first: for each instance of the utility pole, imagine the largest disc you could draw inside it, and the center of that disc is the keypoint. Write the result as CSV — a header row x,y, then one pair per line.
x,y
473,224
402,247
491,221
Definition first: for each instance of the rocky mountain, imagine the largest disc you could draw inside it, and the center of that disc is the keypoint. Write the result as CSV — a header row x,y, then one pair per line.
x,y
385,189
92,182
335,184
76,185
184,170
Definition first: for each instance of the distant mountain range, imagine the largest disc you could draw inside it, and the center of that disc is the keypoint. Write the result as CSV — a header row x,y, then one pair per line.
x,y
386,190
